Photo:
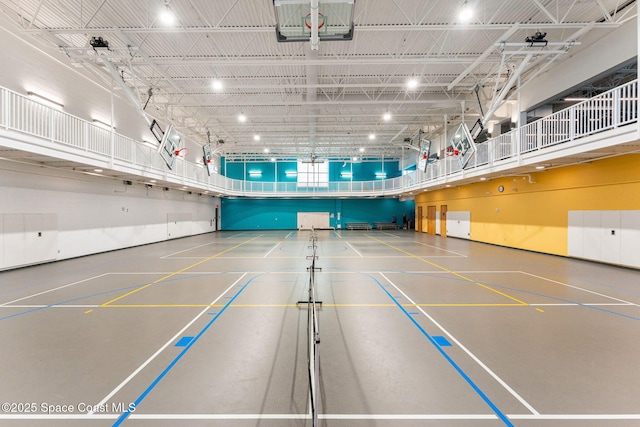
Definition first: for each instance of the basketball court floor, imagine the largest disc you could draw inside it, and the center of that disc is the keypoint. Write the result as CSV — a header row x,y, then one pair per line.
x,y
415,330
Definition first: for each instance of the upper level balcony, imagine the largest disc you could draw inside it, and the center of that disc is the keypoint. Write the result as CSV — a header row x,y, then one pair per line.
x,y
603,126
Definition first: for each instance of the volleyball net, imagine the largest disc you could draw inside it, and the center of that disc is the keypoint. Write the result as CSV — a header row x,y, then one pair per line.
x,y
313,331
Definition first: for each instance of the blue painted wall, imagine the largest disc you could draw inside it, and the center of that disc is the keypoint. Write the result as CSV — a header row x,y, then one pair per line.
x,y
282,214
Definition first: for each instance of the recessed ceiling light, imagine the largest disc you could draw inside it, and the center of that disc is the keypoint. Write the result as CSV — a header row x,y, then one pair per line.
x,y
362,149
412,83
256,137
166,15
97,170
372,136
483,179
386,116
242,118
266,150
466,12
540,167
217,85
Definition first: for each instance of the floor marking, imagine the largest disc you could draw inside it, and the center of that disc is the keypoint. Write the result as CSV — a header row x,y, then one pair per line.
x,y
272,249
52,306
444,354
160,417
442,341
354,249
183,342
324,304
451,271
444,250
540,310
468,352
597,304
54,289
88,311
189,249
167,344
170,366
178,272
581,289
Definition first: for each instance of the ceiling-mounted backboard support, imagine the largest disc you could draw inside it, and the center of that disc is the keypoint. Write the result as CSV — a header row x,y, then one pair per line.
x,y
314,20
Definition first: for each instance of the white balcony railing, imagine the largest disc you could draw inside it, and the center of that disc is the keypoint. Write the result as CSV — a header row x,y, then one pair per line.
x,y
48,128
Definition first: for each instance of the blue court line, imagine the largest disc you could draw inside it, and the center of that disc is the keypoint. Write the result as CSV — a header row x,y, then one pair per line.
x,y
66,302
469,381
144,394
71,273
604,310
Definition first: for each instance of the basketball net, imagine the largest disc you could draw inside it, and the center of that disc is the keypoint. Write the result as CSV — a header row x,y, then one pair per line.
x,y
182,152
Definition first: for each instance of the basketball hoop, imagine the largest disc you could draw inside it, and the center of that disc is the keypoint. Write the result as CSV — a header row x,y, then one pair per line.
x,y
321,21
182,152
452,152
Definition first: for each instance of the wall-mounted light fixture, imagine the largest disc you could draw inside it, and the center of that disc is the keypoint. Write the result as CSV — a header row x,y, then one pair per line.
x,y
44,100
103,124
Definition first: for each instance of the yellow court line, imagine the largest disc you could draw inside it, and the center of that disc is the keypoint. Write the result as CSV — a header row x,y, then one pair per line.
x,y
88,311
520,302
303,303
168,276
540,310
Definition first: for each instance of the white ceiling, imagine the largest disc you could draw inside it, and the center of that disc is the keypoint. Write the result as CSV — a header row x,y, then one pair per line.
x,y
326,101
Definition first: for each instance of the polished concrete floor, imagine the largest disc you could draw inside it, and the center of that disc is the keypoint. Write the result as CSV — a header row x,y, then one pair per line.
x,y
415,330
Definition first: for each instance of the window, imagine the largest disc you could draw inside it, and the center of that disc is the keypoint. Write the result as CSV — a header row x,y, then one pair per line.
x,y
313,175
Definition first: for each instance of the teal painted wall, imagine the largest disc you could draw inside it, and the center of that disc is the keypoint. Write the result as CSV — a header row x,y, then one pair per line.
x,y
282,214
361,171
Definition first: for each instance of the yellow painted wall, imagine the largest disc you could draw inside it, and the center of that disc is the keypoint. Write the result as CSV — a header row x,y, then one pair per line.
x,y
534,216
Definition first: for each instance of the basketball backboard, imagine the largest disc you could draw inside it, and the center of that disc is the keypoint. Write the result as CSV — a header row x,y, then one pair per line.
x,y
423,156
462,142
169,145
208,159
294,20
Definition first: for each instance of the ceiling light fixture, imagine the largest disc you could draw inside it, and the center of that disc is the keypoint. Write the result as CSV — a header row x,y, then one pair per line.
x,y
256,137
242,118
466,12
166,16
217,85
386,116
362,149
412,83
372,136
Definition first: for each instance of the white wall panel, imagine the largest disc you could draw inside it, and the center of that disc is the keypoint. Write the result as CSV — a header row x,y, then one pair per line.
x,y
610,236
13,239
592,235
41,237
576,234
178,225
317,220
630,238
80,215
459,224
